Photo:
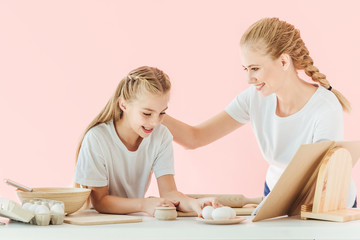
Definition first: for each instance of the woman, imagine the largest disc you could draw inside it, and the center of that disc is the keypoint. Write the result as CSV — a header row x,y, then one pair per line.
x,y
284,110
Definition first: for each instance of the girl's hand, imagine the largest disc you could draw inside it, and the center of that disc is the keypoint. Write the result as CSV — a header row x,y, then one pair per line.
x,y
209,201
151,203
197,205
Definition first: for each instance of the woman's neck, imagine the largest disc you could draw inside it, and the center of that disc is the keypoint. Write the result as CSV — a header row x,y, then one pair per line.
x,y
293,96
127,135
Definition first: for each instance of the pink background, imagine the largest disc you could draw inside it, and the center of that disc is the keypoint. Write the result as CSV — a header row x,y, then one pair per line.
x,y
60,61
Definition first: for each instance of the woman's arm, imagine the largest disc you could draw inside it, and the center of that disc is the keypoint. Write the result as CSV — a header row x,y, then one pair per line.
x,y
105,203
168,190
192,137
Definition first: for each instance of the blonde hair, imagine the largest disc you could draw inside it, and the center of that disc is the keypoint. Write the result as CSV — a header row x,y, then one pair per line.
x,y
276,37
136,82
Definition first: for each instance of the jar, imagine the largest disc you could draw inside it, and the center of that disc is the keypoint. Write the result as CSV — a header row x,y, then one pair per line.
x,y
165,213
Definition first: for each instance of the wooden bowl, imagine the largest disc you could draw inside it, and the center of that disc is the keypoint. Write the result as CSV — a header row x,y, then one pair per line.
x,y
73,198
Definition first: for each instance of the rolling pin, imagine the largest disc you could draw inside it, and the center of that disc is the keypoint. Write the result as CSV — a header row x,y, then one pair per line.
x,y
231,200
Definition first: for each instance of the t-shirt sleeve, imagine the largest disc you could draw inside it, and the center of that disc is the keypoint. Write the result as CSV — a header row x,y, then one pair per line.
x,y
90,168
330,126
239,108
164,162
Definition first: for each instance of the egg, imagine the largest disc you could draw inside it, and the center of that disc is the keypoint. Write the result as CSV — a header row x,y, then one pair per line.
x,y
26,205
231,211
207,211
46,204
220,214
57,209
51,203
32,207
42,209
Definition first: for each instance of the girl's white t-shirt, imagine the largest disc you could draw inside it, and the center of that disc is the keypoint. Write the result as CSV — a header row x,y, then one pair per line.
x,y
279,138
105,161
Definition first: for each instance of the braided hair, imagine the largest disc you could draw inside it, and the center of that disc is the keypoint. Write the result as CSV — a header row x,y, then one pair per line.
x,y
280,37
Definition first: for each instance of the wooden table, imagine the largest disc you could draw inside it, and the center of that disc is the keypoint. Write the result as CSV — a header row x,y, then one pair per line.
x,y
188,228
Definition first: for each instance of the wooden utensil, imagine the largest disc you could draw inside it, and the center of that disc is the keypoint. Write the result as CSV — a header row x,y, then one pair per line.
x,y
91,217
18,185
230,200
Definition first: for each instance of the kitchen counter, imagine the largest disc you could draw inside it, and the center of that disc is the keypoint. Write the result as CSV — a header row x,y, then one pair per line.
x,y
188,228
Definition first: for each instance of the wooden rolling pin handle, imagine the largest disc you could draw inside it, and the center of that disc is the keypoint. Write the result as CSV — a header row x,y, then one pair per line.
x,y
231,200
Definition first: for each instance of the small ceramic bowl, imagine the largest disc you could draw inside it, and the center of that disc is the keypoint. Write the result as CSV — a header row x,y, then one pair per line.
x,y
165,213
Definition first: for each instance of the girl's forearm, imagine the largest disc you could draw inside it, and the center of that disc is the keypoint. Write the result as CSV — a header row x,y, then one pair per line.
x,y
115,204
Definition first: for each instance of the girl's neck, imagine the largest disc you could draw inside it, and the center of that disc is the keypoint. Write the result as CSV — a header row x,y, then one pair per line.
x,y
127,135
293,96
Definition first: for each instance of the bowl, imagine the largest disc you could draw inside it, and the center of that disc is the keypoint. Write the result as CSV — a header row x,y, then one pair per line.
x,y
73,198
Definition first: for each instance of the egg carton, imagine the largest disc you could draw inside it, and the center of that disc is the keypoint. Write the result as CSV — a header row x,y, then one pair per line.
x,y
46,218
15,211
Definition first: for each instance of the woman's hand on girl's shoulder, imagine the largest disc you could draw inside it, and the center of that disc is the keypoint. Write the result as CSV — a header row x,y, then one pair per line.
x,y
151,203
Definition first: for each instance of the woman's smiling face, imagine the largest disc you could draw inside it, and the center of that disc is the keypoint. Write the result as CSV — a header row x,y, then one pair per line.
x,y
263,72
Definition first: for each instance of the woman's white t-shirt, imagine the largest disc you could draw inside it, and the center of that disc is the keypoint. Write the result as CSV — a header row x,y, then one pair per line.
x,y
321,119
105,161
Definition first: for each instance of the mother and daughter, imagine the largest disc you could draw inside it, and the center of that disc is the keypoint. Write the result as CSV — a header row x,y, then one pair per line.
x,y
132,137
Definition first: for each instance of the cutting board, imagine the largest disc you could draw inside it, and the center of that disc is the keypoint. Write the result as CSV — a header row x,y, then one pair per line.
x,y
91,217
333,181
285,200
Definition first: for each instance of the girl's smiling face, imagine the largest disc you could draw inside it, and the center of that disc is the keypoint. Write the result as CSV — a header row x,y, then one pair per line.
x,y
146,112
263,72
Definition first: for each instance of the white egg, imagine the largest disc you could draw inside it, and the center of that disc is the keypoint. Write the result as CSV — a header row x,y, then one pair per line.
x,y
32,207
51,203
42,209
220,214
57,209
207,211
231,211
45,204
26,205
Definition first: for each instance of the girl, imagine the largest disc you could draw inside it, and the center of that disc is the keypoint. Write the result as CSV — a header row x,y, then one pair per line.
x,y
284,110
125,143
